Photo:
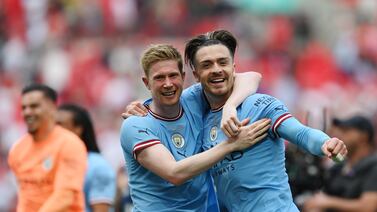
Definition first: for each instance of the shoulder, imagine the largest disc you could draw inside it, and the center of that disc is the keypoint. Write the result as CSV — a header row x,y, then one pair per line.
x,y
137,120
258,100
19,146
195,88
69,142
192,92
98,163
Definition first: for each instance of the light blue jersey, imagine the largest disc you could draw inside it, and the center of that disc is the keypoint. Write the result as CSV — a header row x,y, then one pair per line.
x,y
182,136
255,179
100,181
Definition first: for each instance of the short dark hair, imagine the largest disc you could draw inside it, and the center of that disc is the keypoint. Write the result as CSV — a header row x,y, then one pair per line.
x,y
223,37
46,90
82,118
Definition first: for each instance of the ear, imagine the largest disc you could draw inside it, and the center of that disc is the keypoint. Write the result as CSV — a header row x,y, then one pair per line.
x,y
196,75
146,82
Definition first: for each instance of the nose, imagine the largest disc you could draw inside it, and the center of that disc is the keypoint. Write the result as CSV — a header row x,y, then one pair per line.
x,y
168,83
26,111
216,68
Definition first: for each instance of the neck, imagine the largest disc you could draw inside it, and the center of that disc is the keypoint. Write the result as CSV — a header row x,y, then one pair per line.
x,y
216,101
43,132
167,111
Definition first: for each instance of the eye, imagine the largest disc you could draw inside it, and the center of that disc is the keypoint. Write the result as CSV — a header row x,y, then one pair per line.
x,y
205,65
158,77
174,75
224,62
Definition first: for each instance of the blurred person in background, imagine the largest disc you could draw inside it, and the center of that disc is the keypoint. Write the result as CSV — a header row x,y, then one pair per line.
x,y
49,162
100,182
123,201
351,185
163,150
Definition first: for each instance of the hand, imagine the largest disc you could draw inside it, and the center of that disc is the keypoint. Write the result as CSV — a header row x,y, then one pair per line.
x,y
252,134
135,108
335,149
316,203
230,124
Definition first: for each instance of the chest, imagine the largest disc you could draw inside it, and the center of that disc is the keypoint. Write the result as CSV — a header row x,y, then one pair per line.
x,y
181,137
36,166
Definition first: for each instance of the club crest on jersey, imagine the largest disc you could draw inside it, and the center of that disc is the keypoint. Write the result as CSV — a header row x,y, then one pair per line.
x,y
178,140
47,163
213,133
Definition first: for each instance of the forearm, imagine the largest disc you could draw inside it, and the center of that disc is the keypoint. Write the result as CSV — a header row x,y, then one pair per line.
x,y
245,84
189,167
305,137
60,200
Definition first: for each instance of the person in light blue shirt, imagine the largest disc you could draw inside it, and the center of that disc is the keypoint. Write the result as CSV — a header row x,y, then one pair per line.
x,y
163,150
100,179
253,179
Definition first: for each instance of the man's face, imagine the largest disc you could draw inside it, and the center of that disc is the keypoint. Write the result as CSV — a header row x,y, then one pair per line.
x,y
214,69
37,110
352,138
165,82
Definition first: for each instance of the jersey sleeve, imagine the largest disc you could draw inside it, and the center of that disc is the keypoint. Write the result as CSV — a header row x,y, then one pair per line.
x,y
266,106
102,185
286,126
136,134
72,165
303,136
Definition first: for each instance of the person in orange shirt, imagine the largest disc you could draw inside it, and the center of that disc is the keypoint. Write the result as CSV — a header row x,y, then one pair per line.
x,y
49,162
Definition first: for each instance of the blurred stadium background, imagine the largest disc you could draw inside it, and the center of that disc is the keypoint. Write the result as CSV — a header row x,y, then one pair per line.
x,y
319,57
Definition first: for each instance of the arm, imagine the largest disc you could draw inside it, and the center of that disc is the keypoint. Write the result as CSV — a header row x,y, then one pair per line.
x,y
102,185
312,140
245,84
177,172
367,202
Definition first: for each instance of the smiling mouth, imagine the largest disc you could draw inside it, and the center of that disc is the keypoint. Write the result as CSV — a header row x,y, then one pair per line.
x,y
170,93
30,120
215,81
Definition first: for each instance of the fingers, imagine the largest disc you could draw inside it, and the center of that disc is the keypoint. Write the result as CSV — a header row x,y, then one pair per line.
x,y
259,138
231,127
245,122
135,108
335,149
261,124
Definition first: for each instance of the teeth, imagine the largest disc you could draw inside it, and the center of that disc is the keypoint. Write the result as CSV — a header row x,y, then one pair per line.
x,y
168,93
217,80
30,120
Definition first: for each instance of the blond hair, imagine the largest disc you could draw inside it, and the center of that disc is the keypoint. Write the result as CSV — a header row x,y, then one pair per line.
x,y
160,52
